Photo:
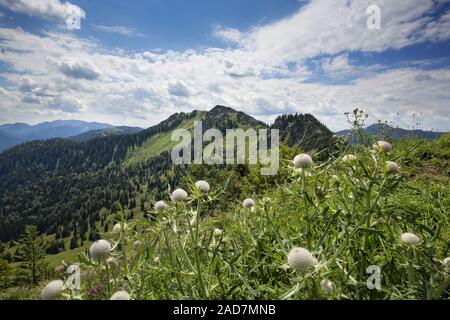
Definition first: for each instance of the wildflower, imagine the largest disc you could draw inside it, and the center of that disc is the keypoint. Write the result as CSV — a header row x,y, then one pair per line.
x,y
301,259
178,195
203,186
99,250
248,203
120,295
392,167
410,239
217,232
53,290
327,286
137,244
157,260
446,262
302,161
349,158
118,227
383,146
160,206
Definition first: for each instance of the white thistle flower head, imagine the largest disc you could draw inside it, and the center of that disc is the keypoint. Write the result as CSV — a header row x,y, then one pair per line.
x,y
53,290
392,167
217,232
160,206
118,227
99,250
248,203
157,260
410,239
178,195
383,146
120,295
349,158
301,259
446,262
203,186
302,161
327,286
137,244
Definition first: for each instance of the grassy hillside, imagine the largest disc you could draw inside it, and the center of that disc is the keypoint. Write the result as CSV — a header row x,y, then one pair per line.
x,y
348,215
158,143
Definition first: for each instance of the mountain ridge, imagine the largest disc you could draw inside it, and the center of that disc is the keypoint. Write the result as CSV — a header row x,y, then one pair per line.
x,y
17,133
62,186
382,130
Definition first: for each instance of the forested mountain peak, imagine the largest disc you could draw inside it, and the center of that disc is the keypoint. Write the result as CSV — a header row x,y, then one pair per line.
x,y
61,185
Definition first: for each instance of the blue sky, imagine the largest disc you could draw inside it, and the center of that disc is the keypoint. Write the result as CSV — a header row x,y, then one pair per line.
x,y
137,62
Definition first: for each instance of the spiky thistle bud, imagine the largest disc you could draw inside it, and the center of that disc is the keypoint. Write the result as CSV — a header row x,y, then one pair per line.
x,y
248,203
120,295
410,239
203,186
137,244
327,286
392,167
349,158
118,227
302,161
160,206
446,262
178,195
100,250
383,146
301,259
53,290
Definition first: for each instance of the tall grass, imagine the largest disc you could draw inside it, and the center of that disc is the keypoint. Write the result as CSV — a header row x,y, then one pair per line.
x,y
349,214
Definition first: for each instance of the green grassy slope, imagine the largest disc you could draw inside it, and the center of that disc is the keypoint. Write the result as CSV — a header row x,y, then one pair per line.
x,y
346,226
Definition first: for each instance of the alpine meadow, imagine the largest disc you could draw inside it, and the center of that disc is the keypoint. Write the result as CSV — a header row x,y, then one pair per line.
x,y
240,151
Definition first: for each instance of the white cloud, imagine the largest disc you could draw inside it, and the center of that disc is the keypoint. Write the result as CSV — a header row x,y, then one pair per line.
x,y
79,70
47,9
124,31
337,67
229,35
59,74
179,89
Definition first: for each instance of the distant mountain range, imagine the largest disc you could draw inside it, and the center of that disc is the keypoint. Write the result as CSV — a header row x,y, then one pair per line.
x,y
380,130
112,131
13,134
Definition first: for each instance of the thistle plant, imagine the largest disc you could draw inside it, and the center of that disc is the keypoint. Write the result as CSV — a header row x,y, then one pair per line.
x,y
313,235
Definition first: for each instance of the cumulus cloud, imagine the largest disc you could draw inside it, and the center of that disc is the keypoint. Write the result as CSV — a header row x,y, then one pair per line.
x,y
66,104
79,70
179,89
338,66
47,9
230,35
266,74
121,30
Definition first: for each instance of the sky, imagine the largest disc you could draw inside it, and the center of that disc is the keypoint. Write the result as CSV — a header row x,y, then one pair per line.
x,y
137,62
